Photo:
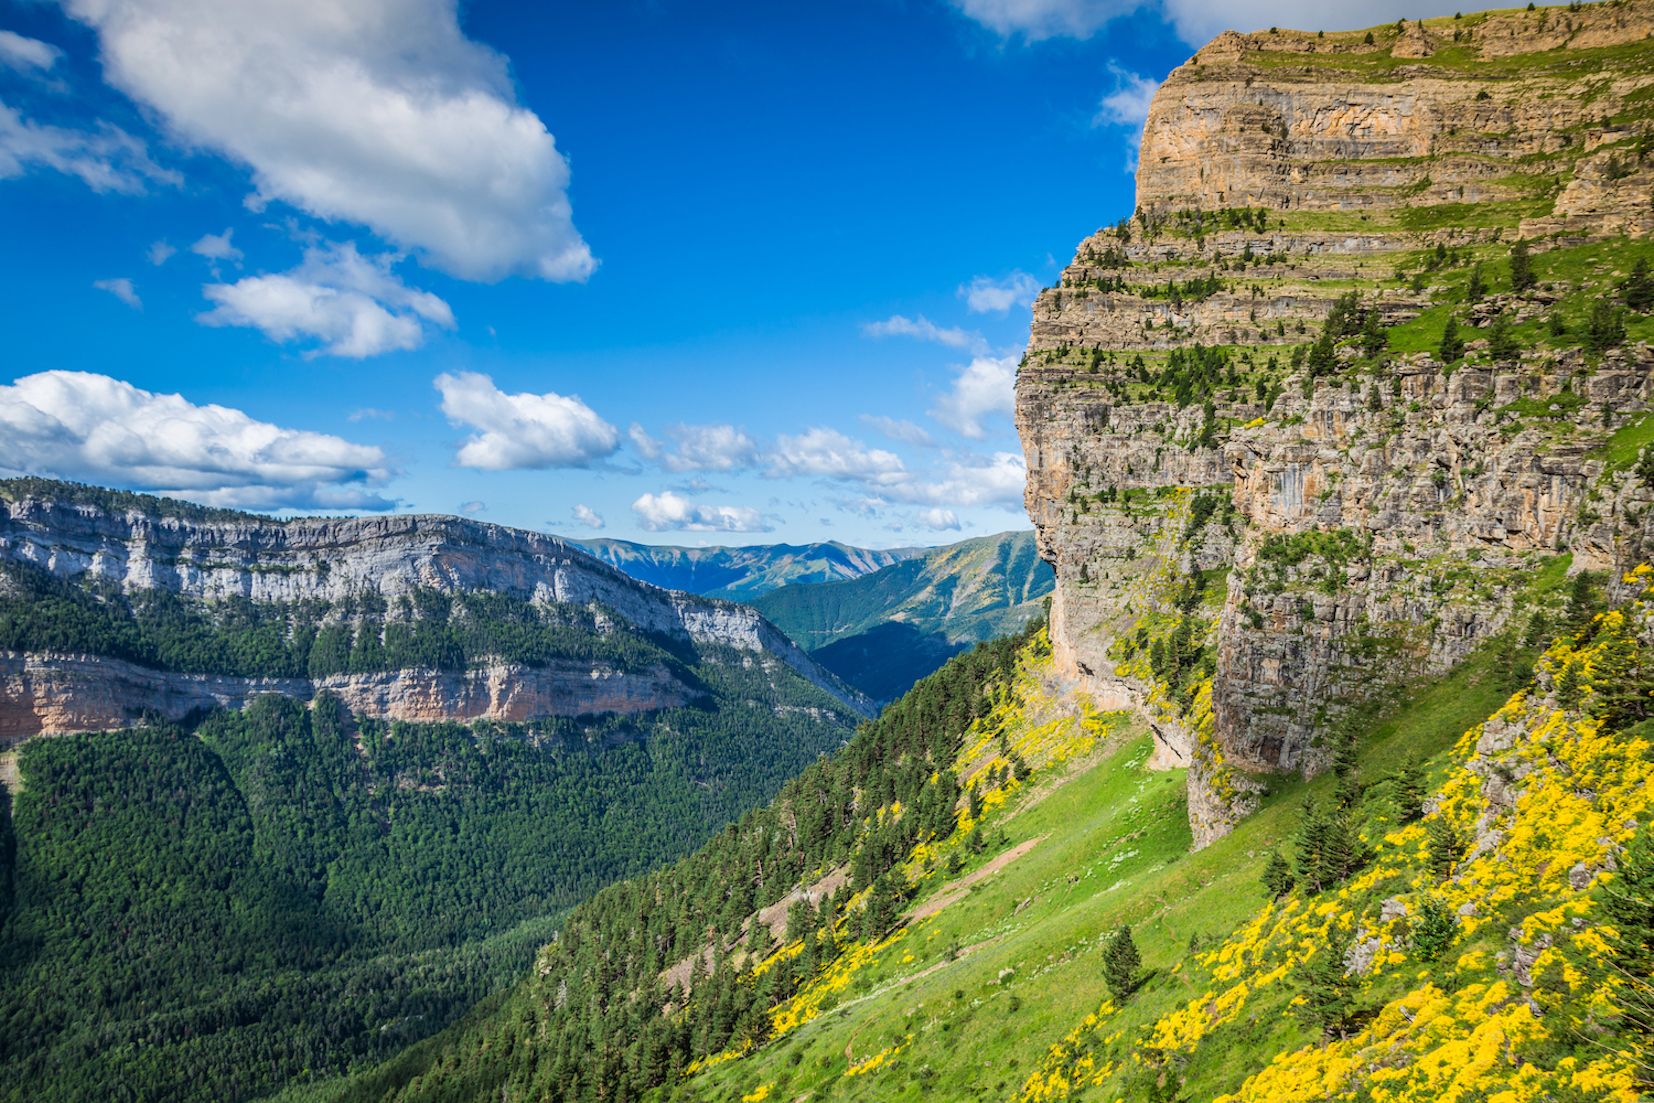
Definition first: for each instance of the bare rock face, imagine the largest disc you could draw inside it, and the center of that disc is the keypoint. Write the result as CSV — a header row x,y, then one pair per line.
x,y
1377,512
52,694
211,558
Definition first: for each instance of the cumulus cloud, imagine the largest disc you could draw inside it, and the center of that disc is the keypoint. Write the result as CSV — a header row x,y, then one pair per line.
x,y
217,247
986,295
379,112
697,447
79,425
829,454
122,289
972,481
940,520
1128,104
107,159
898,429
18,52
516,431
160,252
667,511
1039,19
983,388
352,304
587,516
924,329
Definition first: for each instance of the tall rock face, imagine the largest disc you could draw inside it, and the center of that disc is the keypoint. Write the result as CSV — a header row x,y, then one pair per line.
x,y
1270,480
114,607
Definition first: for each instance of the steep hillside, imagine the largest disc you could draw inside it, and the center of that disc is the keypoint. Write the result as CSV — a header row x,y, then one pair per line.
x,y
1460,911
742,573
345,775
1331,777
1372,345
886,630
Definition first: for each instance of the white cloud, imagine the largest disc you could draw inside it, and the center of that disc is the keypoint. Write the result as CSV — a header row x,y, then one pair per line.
x,y
515,431
1196,21
380,112
1039,19
829,454
699,448
122,289
940,520
352,304
79,425
587,516
217,247
18,52
1128,104
1199,21
986,295
666,510
983,388
898,429
994,481
160,252
926,330
473,507
106,160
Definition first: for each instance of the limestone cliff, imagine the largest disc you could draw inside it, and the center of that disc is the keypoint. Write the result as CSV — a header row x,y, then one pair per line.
x,y
1269,484
105,543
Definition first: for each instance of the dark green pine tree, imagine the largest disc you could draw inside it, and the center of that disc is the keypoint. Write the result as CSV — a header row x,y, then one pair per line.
x,y
1122,965
1325,990
1373,338
1277,876
1443,848
1451,349
1605,328
1434,929
1475,289
1502,345
1309,848
1522,278
1408,791
1638,289
1628,905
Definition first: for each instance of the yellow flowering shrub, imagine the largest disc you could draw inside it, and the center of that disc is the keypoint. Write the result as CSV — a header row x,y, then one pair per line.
x,y
1540,797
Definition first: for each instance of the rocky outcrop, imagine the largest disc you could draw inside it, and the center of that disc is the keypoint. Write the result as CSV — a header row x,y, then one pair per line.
x,y
80,536
53,694
1387,508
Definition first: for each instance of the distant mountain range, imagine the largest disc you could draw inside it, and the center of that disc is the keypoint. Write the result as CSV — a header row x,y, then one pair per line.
x,y
743,573
885,630
880,620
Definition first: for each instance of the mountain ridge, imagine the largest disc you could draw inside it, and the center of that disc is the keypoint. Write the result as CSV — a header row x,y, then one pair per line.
x,y
742,572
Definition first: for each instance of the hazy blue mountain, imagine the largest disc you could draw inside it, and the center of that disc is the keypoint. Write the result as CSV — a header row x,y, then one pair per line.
x,y
743,572
885,630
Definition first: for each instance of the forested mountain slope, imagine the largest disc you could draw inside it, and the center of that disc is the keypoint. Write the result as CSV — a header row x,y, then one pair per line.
x,y
744,572
349,774
1463,907
1332,775
886,630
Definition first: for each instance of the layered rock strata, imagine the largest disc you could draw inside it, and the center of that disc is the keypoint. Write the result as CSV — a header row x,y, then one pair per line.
x,y
208,558
1387,506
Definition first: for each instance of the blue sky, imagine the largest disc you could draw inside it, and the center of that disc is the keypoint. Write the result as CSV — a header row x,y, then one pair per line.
x,y
691,272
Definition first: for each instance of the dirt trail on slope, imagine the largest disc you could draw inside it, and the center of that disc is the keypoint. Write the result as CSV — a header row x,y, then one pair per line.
x,y
954,892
